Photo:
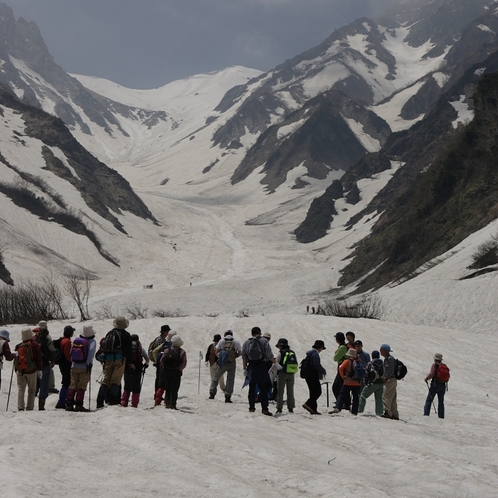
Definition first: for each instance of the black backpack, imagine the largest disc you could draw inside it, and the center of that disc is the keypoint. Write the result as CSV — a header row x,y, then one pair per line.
x,y
171,358
58,352
112,342
400,369
306,367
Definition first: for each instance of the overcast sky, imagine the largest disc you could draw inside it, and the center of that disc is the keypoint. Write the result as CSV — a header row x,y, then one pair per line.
x,y
148,43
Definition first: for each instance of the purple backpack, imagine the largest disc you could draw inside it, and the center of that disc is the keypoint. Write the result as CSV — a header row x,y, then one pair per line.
x,y
79,350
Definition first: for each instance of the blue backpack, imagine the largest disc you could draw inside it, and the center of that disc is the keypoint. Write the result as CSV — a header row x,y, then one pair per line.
x,y
357,370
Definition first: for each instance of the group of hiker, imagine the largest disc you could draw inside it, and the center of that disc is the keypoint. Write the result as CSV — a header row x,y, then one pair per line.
x,y
267,376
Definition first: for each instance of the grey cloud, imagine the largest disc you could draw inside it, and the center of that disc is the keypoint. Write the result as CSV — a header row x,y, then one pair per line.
x,y
147,43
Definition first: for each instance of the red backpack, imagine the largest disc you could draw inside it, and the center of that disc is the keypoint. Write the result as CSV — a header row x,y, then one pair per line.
x,y
442,373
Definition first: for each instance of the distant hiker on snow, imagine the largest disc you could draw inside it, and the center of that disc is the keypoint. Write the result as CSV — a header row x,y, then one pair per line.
x,y
255,351
173,362
374,384
28,365
389,396
116,349
313,375
63,351
133,378
227,350
211,360
158,341
82,355
5,351
439,376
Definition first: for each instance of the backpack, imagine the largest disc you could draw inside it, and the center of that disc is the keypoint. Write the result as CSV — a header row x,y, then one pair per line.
x,y
400,369
376,370
442,373
289,362
357,370
79,350
112,342
171,358
306,367
136,352
231,352
153,345
58,352
24,360
254,351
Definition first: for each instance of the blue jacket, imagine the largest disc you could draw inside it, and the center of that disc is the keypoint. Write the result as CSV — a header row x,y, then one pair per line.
x,y
315,361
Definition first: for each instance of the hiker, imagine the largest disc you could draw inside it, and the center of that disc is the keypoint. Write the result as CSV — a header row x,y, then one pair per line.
x,y
64,347
133,378
28,365
362,356
173,362
272,391
389,396
286,359
339,357
255,351
158,341
227,350
5,351
48,359
211,360
350,338
373,384
315,374
439,376
352,382
156,358
117,355
82,355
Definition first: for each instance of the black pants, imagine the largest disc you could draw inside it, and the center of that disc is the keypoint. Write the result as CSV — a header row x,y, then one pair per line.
x,y
65,368
345,396
315,390
171,380
133,379
336,389
259,377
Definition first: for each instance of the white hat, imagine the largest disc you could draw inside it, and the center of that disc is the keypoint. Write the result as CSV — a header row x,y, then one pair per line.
x,y
88,331
351,353
177,341
26,334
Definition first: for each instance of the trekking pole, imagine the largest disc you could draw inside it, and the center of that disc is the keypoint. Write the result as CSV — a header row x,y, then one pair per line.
x,y
327,388
10,387
142,379
90,391
199,381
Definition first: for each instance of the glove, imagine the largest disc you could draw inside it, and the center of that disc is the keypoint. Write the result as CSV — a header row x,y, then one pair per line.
x,y
244,372
39,374
278,366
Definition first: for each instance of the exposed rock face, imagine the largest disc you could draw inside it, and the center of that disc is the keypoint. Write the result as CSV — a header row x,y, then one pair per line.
x,y
28,69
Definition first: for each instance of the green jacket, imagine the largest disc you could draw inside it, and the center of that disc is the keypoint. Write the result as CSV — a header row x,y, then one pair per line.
x,y
340,354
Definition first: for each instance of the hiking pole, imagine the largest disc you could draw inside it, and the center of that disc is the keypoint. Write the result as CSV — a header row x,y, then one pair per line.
x,y
199,381
10,387
327,388
90,391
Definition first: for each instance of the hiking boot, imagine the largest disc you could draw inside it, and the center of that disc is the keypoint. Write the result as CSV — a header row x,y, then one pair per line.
x,y
41,404
268,413
252,410
69,406
211,396
386,415
308,408
81,408
53,390
291,410
228,400
335,410
278,411
315,413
